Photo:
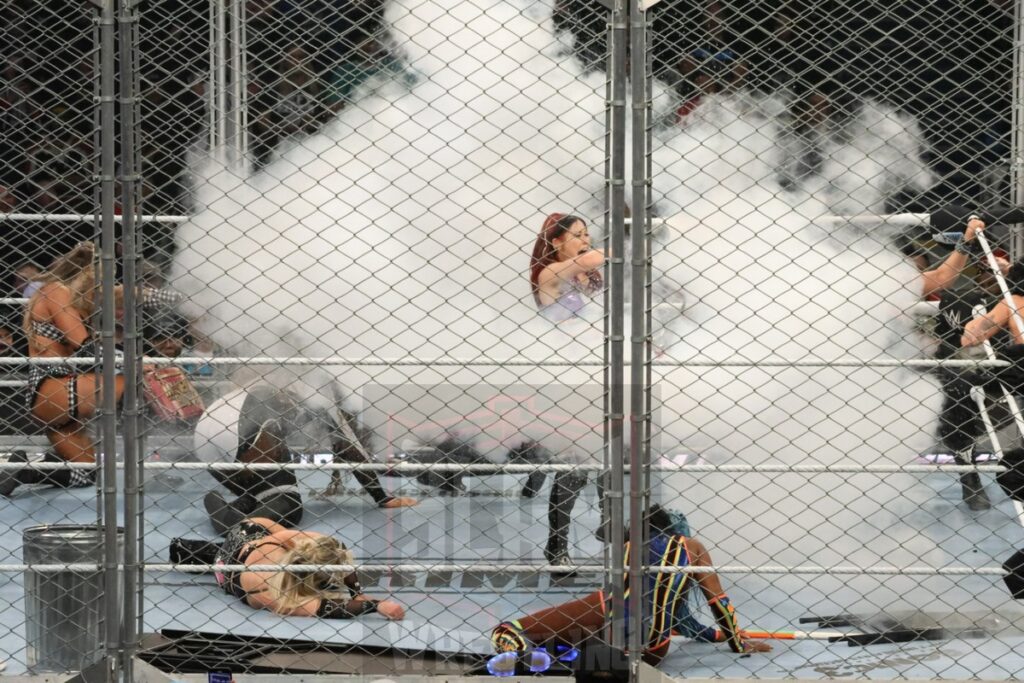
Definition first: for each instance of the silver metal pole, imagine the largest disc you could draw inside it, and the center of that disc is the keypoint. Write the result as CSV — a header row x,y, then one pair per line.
x,y
638,336
243,74
616,341
991,354
97,145
605,481
978,393
237,78
212,85
1016,240
222,85
649,268
128,51
108,416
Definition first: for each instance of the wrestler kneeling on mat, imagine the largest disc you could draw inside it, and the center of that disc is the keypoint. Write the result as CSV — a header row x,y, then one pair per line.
x,y
60,323
665,604
260,541
252,426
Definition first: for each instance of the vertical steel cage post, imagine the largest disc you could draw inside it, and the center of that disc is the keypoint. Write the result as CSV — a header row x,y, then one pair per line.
x,y
605,295
97,145
616,337
648,256
218,74
1017,128
128,45
212,78
239,92
234,51
108,264
638,335
604,484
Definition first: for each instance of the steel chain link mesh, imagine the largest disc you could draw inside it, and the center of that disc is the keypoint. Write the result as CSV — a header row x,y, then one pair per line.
x,y
336,206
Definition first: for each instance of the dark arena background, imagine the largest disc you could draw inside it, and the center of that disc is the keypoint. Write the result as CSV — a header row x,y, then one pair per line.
x,y
617,339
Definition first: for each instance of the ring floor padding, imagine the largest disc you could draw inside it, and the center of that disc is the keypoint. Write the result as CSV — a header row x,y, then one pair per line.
x,y
452,613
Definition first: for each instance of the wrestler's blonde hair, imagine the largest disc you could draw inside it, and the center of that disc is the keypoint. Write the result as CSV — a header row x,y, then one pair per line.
x,y
76,270
295,588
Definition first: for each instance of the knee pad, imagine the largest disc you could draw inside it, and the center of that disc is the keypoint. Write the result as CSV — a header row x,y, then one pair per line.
x,y
278,498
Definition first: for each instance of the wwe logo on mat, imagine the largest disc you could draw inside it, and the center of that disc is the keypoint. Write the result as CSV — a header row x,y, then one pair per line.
x,y
496,581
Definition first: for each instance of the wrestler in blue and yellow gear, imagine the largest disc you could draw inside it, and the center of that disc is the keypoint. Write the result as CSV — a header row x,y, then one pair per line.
x,y
665,604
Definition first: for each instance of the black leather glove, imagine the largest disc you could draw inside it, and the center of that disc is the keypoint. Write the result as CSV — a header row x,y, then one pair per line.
x,y
335,609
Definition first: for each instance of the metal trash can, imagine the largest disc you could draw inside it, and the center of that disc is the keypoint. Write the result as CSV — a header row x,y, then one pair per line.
x,y
64,610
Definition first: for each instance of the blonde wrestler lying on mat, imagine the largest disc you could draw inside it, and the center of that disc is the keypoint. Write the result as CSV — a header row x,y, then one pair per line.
x,y
260,541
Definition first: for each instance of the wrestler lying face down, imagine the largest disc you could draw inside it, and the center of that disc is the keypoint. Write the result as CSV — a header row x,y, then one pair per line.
x,y
260,541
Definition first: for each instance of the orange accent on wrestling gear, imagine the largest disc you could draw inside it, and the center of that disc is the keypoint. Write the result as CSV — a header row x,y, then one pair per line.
x,y
725,615
669,589
508,637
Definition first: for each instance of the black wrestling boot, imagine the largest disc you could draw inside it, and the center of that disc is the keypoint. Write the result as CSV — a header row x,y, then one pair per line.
x,y
61,479
556,552
224,515
972,490
65,479
10,479
564,492
192,551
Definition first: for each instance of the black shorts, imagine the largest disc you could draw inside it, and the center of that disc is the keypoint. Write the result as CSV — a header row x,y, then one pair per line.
x,y
233,551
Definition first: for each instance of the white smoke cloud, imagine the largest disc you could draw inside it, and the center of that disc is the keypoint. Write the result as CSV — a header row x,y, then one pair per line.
x,y
403,229
760,273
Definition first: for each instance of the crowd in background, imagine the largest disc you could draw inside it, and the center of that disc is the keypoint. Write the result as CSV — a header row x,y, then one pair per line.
x,y
304,61
947,62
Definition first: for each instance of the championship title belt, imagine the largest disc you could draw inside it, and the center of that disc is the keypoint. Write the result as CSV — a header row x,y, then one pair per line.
x,y
171,395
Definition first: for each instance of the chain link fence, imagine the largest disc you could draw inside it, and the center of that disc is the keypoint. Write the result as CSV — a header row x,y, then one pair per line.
x,y
532,337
